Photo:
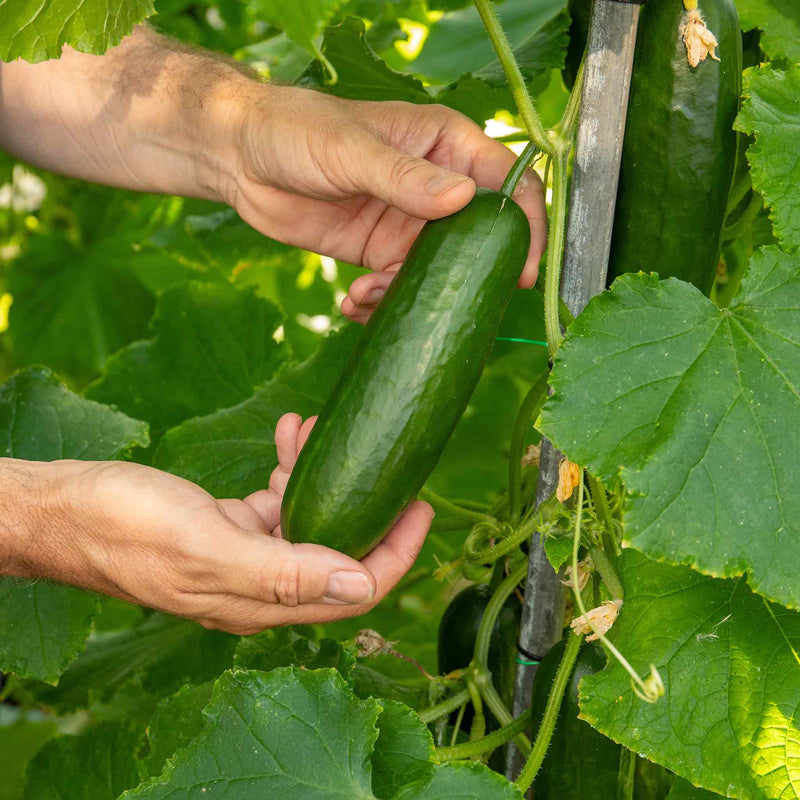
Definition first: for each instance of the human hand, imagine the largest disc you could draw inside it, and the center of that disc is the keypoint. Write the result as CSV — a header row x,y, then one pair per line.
x,y
357,180
154,539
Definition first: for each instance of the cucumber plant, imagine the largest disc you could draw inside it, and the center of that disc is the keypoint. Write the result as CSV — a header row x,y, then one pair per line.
x,y
676,408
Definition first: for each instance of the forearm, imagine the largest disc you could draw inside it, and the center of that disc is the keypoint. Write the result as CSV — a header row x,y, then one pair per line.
x,y
148,115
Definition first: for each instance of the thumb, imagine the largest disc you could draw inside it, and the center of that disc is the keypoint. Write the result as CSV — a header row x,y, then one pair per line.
x,y
273,570
413,185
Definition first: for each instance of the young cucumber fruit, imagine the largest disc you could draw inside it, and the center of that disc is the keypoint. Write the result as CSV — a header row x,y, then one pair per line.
x,y
679,151
383,428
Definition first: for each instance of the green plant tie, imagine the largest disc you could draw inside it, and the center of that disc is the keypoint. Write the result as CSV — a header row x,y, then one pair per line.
x,y
525,341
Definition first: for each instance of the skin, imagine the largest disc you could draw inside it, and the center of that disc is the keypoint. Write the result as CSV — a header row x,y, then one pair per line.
x,y
352,180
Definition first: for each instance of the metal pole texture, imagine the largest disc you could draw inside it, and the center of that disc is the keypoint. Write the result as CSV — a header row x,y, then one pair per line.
x,y
598,149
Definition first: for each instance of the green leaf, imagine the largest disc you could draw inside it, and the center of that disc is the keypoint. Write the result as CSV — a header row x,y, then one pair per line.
x,y
302,22
175,722
162,654
683,790
212,347
286,733
43,626
37,31
779,21
697,408
362,74
728,659
771,110
231,453
403,751
283,647
98,764
21,737
463,782
74,306
457,43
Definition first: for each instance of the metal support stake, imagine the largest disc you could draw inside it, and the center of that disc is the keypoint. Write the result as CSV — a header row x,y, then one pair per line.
x,y
604,104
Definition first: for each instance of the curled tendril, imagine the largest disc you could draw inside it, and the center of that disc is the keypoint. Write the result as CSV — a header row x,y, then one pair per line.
x,y
651,688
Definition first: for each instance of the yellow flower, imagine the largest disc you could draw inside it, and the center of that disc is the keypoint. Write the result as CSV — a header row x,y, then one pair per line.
x,y
569,475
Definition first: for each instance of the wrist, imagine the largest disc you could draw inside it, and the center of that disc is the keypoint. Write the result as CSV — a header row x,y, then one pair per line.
x,y
24,498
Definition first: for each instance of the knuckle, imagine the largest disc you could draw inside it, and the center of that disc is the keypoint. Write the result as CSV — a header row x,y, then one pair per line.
x,y
287,586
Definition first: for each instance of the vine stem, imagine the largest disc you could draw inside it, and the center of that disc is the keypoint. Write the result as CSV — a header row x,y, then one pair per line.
x,y
530,408
602,563
457,511
480,657
518,169
626,777
548,726
555,250
488,743
489,555
452,703
653,688
516,82
600,501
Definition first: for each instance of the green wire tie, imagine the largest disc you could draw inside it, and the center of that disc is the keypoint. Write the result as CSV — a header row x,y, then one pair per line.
x,y
524,341
526,663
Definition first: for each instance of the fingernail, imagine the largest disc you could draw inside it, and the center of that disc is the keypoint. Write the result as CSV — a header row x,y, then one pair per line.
x,y
348,587
444,182
374,295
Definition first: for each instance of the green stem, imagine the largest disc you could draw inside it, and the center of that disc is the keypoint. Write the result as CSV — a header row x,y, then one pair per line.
x,y
569,121
444,707
446,505
512,71
518,169
529,409
491,554
480,657
627,774
496,739
457,726
602,563
448,524
501,713
545,733
555,251
736,229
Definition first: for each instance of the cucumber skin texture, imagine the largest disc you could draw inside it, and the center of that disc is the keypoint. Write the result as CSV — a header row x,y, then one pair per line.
x,y
679,152
409,379
458,632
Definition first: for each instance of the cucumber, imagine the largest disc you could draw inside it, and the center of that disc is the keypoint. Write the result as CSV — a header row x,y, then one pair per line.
x,y
382,430
679,152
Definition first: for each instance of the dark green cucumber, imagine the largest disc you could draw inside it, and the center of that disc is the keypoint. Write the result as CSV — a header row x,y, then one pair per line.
x,y
679,152
409,379
458,632
582,764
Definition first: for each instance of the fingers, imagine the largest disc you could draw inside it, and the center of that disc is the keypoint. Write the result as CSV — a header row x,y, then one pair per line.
x,y
365,294
286,432
413,185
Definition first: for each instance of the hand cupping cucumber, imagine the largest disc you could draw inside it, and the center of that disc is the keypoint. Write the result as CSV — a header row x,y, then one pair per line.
x,y
399,397
679,151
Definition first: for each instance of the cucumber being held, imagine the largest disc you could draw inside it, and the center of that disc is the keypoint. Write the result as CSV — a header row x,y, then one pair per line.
x,y
399,397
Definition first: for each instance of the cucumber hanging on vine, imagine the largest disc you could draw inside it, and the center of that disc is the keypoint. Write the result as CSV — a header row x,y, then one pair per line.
x,y
679,152
383,428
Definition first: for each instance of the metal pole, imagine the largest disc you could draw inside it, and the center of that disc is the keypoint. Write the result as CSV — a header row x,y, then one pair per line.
x,y
598,150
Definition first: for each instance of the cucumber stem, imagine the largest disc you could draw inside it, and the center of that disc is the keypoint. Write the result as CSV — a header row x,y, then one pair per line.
x,y
626,777
602,563
498,708
555,250
444,504
441,709
516,82
548,725
518,170
469,750
529,410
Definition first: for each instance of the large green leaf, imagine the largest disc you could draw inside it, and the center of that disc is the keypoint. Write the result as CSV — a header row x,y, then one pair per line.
x,y
458,44
683,790
43,626
213,346
771,110
362,74
779,21
231,453
74,306
160,655
728,659
463,782
37,31
302,22
697,408
95,765
21,737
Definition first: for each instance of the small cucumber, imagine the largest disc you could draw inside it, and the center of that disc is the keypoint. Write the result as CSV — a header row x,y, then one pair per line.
x,y
399,397
679,151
